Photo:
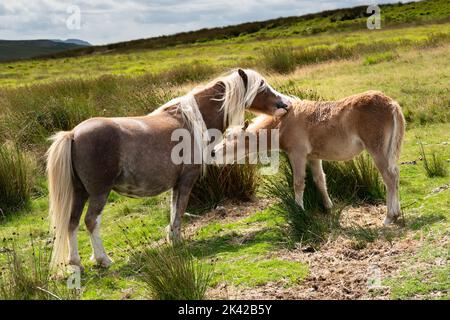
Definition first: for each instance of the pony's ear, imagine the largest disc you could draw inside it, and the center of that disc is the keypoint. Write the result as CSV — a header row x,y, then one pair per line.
x,y
244,77
246,123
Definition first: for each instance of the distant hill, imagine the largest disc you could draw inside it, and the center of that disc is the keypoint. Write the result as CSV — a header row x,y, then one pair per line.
x,y
74,41
23,49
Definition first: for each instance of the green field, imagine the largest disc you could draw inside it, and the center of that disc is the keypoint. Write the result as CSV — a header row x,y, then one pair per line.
x,y
251,254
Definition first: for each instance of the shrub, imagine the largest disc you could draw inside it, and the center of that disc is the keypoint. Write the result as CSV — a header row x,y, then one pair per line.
x,y
357,180
172,273
279,59
434,166
16,178
348,182
380,57
28,276
308,226
189,72
292,89
235,182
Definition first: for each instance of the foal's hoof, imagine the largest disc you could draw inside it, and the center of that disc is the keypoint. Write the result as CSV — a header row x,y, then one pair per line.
x,y
103,261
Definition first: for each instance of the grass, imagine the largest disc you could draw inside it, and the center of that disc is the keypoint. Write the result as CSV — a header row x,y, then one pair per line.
x,y
434,165
26,276
172,273
223,55
380,57
16,179
238,182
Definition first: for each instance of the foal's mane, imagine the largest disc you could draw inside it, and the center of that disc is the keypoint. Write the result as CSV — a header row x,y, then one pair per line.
x,y
236,98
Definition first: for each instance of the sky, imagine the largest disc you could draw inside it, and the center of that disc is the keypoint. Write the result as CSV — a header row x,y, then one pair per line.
x,y
109,21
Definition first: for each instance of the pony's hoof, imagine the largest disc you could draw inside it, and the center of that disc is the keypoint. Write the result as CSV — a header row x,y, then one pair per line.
x,y
389,220
172,236
103,261
75,268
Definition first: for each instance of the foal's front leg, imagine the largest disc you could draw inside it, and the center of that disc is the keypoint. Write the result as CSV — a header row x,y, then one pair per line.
x,y
320,181
298,163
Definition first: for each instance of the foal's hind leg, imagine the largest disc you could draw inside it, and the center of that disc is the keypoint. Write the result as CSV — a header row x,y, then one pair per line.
x,y
391,175
92,220
320,181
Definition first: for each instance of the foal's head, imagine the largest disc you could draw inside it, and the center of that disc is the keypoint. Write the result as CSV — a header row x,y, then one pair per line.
x,y
234,145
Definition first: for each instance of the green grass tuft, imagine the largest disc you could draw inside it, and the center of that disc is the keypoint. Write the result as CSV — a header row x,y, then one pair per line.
x,y
434,166
172,273
16,179
279,59
26,276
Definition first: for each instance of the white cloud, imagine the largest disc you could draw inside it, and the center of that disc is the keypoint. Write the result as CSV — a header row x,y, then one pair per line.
x,y
106,21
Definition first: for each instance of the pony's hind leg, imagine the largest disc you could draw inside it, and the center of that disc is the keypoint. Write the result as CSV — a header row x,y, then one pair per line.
x,y
320,181
77,209
92,220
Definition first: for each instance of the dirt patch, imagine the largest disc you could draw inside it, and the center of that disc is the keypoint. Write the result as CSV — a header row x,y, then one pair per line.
x,y
342,268
228,212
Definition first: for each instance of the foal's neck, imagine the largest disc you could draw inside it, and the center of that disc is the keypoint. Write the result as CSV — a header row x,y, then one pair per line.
x,y
210,105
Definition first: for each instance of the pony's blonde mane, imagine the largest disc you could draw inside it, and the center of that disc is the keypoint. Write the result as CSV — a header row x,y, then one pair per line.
x,y
188,107
236,99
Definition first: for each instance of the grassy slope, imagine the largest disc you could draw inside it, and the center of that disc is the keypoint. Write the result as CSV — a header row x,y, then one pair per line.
x,y
244,248
245,52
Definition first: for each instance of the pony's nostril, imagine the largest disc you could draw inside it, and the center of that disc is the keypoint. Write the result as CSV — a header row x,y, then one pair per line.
x,y
281,104
213,154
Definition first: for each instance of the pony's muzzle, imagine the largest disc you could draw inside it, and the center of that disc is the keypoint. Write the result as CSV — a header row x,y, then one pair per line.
x,y
281,105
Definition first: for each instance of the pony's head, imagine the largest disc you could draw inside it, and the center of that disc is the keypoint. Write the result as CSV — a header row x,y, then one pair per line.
x,y
247,89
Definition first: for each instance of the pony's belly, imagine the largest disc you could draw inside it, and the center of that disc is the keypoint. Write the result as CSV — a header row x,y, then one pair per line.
x,y
138,191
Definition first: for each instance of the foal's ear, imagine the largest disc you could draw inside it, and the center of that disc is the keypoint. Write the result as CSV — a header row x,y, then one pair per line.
x,y
246,123
244,77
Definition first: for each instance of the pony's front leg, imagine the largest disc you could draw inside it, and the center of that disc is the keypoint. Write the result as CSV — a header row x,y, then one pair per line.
x,y
180,199
298,163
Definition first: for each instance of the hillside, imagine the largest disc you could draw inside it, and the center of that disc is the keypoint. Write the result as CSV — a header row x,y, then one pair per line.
x,y
325,21
24,49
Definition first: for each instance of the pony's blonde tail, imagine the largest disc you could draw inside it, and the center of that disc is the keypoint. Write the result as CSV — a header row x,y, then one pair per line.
x,y
398,131
60,186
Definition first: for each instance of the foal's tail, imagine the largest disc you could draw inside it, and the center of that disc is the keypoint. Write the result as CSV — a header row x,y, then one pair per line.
x,y
396,139
59,170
